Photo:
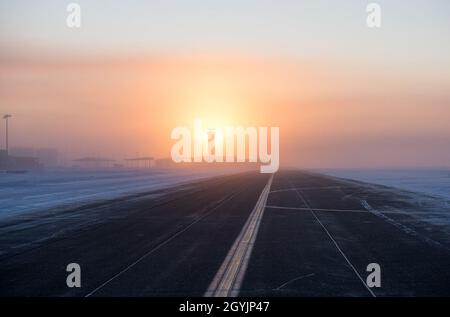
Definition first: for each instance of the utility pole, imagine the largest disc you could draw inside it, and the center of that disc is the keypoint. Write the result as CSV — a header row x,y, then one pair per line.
x,y
6,117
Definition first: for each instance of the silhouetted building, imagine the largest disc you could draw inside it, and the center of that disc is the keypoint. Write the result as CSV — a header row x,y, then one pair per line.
x,y
140,162
165,163
4,160
11,163
47,156
21,151
94,162
24,162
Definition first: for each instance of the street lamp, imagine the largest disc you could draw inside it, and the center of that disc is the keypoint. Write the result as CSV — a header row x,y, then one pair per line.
x,y
6,117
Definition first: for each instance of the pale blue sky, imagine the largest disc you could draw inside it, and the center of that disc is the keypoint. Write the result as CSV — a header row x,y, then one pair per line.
x,y
416,30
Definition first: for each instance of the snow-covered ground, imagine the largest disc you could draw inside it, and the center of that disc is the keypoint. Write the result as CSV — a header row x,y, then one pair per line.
x,y
39,190
435,182
428,198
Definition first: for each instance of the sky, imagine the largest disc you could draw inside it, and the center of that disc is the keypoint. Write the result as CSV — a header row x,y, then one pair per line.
x,y
343,94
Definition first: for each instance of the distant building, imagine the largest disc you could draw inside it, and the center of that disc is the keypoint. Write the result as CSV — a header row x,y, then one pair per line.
x,y
24,163
47,156
21,151
94,162
12,163
165,163
4,160
140,162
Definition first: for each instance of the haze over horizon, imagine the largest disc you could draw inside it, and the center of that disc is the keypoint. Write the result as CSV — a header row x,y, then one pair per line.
x,y
342,94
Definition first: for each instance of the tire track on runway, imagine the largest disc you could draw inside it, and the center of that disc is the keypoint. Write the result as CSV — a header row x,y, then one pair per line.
x,y
402,227
165,242
333,241
52,238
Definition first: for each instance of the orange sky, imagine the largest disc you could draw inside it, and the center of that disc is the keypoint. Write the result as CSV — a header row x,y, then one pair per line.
x,y
343,94
330,114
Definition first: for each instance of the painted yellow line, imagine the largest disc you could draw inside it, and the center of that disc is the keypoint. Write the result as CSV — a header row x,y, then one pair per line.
x,y
228,279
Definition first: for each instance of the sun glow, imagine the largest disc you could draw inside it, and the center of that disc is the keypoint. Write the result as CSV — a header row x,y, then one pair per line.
x,y
227,144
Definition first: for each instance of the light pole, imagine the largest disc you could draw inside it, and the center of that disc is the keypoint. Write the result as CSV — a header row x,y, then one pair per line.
x,y
6,117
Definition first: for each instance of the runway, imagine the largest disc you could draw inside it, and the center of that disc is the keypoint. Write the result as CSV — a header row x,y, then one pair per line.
x,y
250,234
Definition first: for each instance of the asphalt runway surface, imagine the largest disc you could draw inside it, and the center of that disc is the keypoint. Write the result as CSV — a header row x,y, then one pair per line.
x,y
250,234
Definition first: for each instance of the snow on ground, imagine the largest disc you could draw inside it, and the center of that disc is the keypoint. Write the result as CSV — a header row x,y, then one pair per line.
x,y
434,182
429,192
38,190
